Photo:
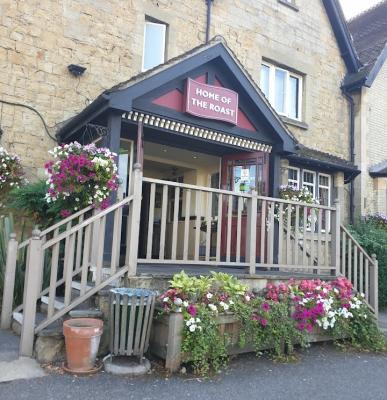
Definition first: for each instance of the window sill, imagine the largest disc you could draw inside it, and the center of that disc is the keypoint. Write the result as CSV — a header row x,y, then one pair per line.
x,y
294,122
290,5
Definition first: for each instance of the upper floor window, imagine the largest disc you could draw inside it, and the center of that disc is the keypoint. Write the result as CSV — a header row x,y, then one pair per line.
x,y
154,44
283,89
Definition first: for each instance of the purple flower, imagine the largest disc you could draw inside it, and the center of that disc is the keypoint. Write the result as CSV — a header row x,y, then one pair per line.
x,y
265,306
192,310
263,322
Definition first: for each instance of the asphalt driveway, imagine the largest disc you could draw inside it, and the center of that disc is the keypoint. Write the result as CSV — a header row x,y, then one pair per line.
x,y
322,372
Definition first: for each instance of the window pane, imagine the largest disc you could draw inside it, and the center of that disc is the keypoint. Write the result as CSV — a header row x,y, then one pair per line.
x,y
323,195
280,89
154,45
265,73
293,97
308,181
323,180
293,174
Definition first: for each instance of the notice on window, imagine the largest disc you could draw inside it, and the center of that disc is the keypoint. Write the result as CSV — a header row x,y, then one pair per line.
x,y
245,175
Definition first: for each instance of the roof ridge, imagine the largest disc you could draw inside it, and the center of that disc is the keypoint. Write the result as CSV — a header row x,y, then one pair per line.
x,y
366,11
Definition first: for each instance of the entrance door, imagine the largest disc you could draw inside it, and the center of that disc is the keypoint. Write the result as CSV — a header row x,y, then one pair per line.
x,y
242,173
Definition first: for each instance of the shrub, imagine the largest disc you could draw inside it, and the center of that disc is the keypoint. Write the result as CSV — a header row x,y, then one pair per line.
x,y
29,202
372,235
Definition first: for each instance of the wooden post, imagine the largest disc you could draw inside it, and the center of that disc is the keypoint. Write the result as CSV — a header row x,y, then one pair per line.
x,y
173,356
32,284
135,214
9,282
251,232
335,240
374,288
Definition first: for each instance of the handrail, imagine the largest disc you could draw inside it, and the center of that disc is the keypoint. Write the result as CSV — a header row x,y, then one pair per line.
x,y
57,225
229,192
90,220
357,244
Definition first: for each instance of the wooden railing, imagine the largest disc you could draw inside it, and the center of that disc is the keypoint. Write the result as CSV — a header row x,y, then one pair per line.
x,y
72,254
359,268
189,224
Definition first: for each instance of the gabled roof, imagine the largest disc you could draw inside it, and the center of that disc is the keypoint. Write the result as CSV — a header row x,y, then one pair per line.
x,y
121,96
369,33
343,36
379,170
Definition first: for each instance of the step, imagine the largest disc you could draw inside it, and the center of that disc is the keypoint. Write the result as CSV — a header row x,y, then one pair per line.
x,y
77,286
58,305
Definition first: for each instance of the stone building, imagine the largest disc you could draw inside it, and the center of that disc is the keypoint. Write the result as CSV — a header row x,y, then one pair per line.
x,y
369,90
297,51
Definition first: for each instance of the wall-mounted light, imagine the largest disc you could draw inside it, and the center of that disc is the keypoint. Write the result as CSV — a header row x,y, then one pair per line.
x,y
76,70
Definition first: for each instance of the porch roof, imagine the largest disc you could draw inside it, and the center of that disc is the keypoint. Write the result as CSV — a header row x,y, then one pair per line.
x,y
315,158
379,170
120,98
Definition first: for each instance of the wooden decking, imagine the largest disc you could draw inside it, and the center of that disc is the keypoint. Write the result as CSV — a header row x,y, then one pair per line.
x,y
168,270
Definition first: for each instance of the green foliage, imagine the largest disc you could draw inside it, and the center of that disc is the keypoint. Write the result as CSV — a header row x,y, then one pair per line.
x,y
6,228
190,284
373,237
279,332
28,201
227,283
206,347
361,331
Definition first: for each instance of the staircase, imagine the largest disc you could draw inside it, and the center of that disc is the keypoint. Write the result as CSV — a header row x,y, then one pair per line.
x,y
71,255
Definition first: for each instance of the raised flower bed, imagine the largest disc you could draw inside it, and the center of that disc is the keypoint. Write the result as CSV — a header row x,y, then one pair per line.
x,y
204,320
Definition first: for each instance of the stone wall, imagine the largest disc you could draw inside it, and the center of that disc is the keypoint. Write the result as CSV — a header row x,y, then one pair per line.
x,y
370,145
38,40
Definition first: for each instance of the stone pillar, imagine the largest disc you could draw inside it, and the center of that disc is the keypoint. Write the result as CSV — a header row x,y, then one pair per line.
x,y
338,193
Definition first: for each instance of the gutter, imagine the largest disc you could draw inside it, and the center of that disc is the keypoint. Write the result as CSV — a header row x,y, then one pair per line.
x,y
351,150
208,23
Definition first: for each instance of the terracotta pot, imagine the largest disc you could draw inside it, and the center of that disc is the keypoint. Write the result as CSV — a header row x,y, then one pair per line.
x,y
82,337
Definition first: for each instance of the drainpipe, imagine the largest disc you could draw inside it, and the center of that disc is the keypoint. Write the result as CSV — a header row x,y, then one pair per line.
x,y
208,25
352,150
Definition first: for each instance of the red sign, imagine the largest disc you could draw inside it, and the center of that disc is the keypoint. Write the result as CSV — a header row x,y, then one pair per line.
x,y
212,102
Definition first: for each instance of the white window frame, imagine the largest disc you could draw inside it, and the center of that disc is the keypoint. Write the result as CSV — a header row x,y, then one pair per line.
x,y
308,184
324,187
297,182
148,22
272,69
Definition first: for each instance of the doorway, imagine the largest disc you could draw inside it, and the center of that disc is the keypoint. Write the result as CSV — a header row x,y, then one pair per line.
x,y
243,173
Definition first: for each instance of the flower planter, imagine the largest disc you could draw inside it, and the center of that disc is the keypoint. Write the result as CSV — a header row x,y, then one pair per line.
x,y
82,337
166,338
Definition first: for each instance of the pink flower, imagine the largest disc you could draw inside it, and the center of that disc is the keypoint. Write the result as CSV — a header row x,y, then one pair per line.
x,y
263,322
265,306
191,309
65,213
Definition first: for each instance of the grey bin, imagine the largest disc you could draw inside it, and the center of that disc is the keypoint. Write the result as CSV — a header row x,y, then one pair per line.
x,y
131,315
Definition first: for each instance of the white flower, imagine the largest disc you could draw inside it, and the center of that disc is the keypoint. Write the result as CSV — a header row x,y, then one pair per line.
x,y
224,305
178,309
209,296
198,320
185,303
362,295
192,328
166,299
230,302
247,297
178,301
213,307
